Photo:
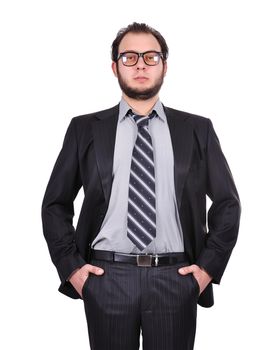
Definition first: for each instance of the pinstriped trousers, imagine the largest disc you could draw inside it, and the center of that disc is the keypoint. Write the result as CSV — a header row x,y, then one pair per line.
x,y
127,299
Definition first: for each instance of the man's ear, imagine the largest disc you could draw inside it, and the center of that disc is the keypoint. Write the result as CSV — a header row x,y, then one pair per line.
x,y
114,68
165,68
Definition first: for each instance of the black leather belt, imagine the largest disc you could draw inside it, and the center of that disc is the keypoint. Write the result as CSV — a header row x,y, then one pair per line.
x,y
144,260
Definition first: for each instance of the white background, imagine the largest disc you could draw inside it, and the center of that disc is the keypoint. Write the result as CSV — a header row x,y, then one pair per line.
x,y
55,64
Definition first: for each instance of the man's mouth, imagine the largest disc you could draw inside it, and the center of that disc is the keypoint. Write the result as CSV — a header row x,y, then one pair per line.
x,y
140,78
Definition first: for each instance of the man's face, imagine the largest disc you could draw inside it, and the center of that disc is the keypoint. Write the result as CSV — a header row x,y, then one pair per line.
x,y
140,82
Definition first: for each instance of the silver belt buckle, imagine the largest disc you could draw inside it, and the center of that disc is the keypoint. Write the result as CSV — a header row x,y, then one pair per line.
x,y
144,260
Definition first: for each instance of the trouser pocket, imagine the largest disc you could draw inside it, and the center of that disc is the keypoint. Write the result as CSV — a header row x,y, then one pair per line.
x,y
195,282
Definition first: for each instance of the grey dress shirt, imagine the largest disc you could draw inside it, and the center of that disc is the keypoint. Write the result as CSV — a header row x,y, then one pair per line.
x,y
113,232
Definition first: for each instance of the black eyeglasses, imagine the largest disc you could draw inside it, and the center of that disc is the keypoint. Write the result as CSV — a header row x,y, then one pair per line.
x,y
130,58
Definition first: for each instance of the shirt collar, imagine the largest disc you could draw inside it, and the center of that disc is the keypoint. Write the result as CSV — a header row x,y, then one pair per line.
x,y
124,108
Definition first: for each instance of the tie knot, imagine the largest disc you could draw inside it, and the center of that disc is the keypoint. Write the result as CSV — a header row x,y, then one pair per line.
x,y
142,120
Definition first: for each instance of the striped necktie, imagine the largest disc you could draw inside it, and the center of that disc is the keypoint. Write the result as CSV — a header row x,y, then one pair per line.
x,y
141,220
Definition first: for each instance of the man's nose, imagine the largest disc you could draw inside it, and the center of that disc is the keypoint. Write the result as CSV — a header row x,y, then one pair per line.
x,y
140,63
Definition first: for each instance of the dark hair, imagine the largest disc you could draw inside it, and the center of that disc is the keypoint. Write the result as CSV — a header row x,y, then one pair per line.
x,y
138,28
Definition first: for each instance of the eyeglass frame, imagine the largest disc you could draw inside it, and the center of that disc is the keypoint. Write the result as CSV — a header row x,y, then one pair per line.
x,y
141,54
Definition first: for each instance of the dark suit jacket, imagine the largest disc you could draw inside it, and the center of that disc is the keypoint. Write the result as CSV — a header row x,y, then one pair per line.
x,y
200,169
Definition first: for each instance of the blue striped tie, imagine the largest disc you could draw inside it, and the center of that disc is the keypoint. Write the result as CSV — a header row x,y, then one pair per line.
x,y
141,221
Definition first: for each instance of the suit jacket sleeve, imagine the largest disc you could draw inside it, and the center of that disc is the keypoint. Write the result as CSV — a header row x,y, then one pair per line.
x,y
58,209
224,213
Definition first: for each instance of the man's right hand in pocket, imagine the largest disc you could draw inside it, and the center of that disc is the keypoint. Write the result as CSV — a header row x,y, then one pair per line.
x,y
79,277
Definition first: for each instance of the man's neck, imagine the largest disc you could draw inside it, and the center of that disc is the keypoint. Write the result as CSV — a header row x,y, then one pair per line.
x,y
141,107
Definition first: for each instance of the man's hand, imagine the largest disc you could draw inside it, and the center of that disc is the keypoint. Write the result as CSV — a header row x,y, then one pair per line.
x,y
79,277
201,276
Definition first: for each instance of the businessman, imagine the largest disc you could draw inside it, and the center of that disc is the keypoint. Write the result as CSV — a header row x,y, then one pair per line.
x,y
142,255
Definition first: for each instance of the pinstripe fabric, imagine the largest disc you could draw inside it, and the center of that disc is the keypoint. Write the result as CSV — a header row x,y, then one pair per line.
x,y
128,299
141,221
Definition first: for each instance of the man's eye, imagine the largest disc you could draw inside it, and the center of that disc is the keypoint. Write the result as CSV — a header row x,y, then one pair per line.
x,y
151,58
130,57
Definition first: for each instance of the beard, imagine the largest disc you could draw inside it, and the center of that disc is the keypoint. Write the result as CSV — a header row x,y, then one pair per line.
x,y
138,94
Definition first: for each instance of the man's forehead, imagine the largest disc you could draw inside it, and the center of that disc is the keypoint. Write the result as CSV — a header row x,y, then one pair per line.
x,y
139,42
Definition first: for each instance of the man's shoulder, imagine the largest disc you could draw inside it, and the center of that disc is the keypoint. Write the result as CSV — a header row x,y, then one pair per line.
x,y
90,117
193,118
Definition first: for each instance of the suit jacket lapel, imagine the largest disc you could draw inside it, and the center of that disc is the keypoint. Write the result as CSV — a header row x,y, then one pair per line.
x,y
104,133
181,132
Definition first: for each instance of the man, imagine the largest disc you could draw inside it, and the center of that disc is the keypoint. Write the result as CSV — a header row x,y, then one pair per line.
x,y
141,256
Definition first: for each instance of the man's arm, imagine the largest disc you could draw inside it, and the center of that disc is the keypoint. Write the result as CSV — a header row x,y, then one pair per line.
x,y
58,209
224,213
223,216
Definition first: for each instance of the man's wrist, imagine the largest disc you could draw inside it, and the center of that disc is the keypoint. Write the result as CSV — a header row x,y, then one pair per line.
x,y
68,279
207,273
